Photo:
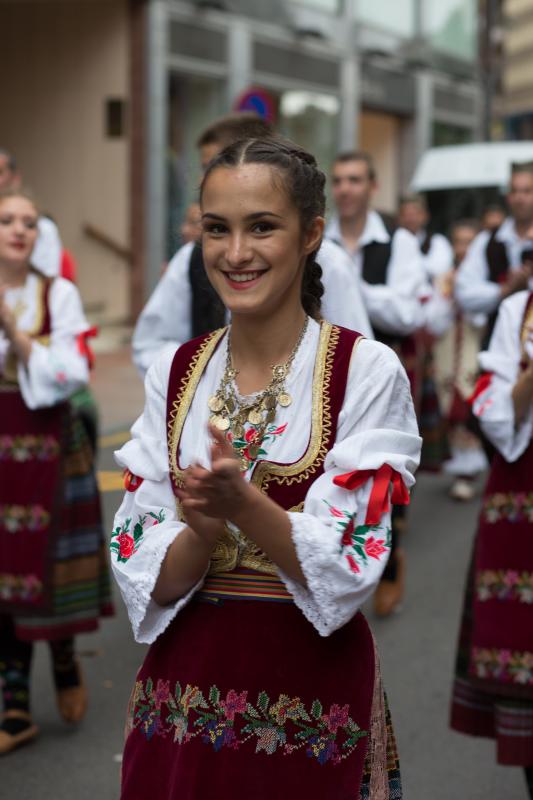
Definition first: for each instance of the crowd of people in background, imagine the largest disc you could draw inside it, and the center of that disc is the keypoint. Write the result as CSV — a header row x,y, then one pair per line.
x,y
455,307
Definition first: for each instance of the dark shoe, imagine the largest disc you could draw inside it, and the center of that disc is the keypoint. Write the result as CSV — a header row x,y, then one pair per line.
x,y
72,702
16,729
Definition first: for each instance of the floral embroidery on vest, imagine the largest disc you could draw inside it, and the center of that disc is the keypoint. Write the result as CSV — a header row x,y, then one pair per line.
x,y
285,726
505,666
504,585
126,543
511,507
251,439
355,539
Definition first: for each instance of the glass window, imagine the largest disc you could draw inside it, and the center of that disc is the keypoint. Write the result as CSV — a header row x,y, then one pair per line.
x,y
193,104
444,134
311,120
398,16
331,6
451,26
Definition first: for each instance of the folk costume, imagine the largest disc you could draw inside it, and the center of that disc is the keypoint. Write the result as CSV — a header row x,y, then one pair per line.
x,y
493,689
53,569
253,682
184,305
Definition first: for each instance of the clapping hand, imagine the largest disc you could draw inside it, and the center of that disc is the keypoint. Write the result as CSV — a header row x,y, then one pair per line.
x,y
221,492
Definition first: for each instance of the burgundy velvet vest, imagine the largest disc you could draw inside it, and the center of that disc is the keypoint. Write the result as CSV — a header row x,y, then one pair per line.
x,y
286,484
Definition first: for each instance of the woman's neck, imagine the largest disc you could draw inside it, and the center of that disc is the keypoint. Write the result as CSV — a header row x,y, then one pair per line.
x,y
12,274
257,343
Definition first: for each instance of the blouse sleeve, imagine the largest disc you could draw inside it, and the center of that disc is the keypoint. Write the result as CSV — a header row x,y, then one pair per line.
x,y
146,523
342,537
57,369
493,397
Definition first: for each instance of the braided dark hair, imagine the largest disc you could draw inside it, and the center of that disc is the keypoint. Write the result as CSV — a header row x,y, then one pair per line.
x,y
304,184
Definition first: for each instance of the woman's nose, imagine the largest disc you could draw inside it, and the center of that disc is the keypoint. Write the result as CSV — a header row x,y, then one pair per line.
x,y
239,251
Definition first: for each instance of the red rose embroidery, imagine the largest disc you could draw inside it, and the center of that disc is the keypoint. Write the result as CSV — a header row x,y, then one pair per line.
x,y
126,545
348,531
353,564
374,547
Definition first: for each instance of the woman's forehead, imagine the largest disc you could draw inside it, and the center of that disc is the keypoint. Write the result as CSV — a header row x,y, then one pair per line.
x,y
18,205
247,185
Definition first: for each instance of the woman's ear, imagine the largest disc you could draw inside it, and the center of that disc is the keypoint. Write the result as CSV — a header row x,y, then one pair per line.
x,y
313,235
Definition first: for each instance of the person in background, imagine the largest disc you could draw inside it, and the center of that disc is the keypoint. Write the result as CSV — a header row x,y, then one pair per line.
x,y
389,265
499,263
493,688
455,363
263,525
493,217
54,580
191,227
48,251
436,251
184,304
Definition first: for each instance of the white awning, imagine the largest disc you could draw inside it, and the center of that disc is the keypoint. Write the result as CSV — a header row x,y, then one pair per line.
x,y
466,166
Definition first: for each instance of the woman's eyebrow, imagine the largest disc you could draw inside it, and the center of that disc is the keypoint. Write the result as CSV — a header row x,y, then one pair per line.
x,y
255,215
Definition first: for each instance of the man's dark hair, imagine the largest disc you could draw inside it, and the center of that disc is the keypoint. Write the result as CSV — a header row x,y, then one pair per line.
x,y
11,160
234,127
358,155
415,199
473,224
522,166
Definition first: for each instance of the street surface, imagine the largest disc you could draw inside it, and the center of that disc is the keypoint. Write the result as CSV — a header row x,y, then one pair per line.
x,y
417,649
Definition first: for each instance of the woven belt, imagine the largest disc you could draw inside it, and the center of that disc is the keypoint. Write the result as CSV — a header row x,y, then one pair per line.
x,y
243,585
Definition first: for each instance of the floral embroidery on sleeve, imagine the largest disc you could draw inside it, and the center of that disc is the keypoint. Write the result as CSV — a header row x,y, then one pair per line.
x,y
356,541
126,543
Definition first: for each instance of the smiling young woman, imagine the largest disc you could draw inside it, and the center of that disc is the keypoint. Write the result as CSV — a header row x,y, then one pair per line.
x,y
53,574
256,520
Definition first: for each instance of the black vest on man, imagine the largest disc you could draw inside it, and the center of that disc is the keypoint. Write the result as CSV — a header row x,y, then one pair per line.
x,y
207,310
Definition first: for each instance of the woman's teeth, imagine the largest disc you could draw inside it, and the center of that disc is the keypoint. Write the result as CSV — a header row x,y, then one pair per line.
x,y
243,277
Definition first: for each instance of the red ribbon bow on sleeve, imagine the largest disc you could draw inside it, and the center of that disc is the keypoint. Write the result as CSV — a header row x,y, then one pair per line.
x,y
83,345
483,383
379,502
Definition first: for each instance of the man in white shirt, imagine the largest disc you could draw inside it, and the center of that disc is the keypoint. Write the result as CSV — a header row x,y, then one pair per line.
x,y
389,264
184,305
499,263
436,250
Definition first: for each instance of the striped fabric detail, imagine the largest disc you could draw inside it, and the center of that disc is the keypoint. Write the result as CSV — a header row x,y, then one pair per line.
x,y
244,585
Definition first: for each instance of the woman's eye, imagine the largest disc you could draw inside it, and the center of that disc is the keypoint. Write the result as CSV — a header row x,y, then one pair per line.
x,y
31,224
6,220
262,227
215,228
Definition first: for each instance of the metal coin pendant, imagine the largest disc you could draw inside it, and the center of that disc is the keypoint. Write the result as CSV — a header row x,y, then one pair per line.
x,y
255,417
230,405
238,431
269,401
222,423
216,403
284,399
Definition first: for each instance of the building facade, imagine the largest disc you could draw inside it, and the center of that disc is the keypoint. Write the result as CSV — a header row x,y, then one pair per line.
x,y
513,107
105,127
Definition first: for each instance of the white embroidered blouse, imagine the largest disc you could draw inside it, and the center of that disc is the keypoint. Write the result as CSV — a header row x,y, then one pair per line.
x,y
493,405
56,368
376,426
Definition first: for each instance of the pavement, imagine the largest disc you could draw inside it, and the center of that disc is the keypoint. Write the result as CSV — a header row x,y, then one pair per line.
x,y
417,649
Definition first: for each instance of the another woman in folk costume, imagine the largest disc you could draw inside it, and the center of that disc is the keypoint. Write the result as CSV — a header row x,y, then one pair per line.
x,y
456,369
252,533
493,690
53,573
